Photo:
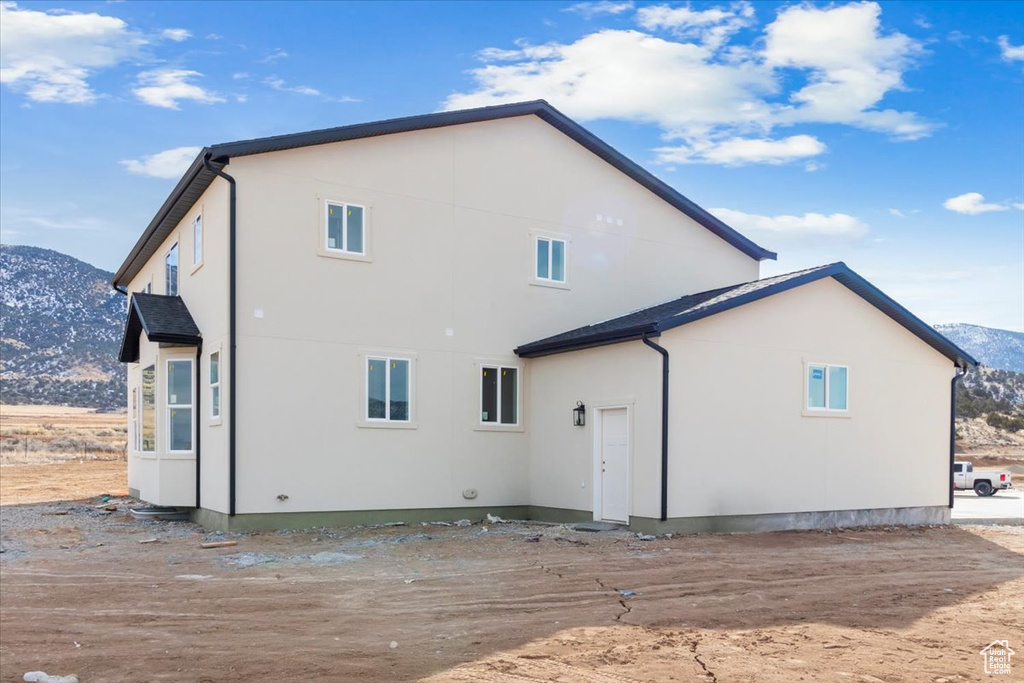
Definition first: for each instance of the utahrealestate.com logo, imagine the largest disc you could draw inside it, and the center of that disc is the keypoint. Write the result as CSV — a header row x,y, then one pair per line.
x,y
997,657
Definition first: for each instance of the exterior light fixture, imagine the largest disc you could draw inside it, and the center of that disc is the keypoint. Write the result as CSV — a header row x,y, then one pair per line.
x,y
579,414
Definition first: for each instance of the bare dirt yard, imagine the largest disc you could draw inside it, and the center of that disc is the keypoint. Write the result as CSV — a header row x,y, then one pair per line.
x,y
517,602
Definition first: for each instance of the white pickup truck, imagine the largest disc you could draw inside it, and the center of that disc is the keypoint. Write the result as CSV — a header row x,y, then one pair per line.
x,y
984,482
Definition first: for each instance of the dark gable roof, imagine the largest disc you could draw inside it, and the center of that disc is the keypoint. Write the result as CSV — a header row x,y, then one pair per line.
x,y
197,178
163,318
658,319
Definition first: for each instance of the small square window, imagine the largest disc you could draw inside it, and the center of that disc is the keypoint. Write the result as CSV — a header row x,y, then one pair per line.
x,y
551,257
345,229
827,388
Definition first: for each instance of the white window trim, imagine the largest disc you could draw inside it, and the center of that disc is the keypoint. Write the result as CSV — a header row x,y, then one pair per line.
x,y
363,419
196,265
479,424
538,281
136,407
323,226
177,274
191,406
826,411
217,419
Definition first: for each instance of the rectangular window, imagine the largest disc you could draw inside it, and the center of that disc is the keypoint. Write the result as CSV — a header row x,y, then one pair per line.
x,y
388,390
345,228
826,386
197,240
499,395
171,263
148,419
550,259
134,411
179,406
215,384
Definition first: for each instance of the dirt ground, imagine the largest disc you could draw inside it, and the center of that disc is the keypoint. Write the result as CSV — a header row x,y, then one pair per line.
x,y
499,602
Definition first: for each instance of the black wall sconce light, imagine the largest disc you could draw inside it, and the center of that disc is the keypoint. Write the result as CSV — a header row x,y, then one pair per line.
x,y
579,414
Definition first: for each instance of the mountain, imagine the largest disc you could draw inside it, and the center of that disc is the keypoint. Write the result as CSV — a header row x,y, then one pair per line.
x,y
60,331
999,349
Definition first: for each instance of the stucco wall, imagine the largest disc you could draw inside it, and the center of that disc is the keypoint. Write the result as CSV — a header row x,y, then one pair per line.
x,y
450,217
739,441
205,291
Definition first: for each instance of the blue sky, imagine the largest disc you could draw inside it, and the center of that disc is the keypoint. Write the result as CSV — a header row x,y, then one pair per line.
x,y
886,135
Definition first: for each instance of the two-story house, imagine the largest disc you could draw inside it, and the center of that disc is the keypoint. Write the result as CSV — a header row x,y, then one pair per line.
x,y
442,316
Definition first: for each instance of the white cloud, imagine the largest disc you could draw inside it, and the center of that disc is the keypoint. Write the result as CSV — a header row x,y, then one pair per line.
x,y
716,102
897,213
741,151
171,163
810,224
166,87
589,10
50,56
972,204
1011,53
273,56
1018,205
851,66
712,27
176,34
279,84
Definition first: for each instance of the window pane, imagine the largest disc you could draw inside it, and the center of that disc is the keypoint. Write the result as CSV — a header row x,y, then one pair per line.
x,y
179,382
197,240
509,404
543,271
355,229
376,382
334,222
489,407
215,402
181,429
399,389
558,260
816,386
837,388
215,367
149,409
172,271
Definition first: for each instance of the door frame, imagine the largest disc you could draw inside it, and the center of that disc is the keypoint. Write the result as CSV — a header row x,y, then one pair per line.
x,y
598,478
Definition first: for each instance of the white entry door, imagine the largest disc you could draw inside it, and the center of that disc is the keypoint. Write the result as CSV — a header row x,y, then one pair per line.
x,y
613,458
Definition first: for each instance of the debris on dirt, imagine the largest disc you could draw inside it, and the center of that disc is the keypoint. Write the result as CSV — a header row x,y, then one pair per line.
x,y
629,593
570,541
409,580
647,537
394,644
218,544
43,677
533,539
463,522
148,540
54,513
494,519
107,507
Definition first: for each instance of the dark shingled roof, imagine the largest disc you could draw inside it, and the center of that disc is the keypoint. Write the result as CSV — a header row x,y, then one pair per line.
x,y
197,178
653,321
163,318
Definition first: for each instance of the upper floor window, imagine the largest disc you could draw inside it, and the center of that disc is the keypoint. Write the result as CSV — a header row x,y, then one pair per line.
x,y
197,240
827,386
345,228
550,264
171,271
388,392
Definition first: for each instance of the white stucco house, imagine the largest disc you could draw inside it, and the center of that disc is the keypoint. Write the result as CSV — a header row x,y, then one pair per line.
x,y
472,312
